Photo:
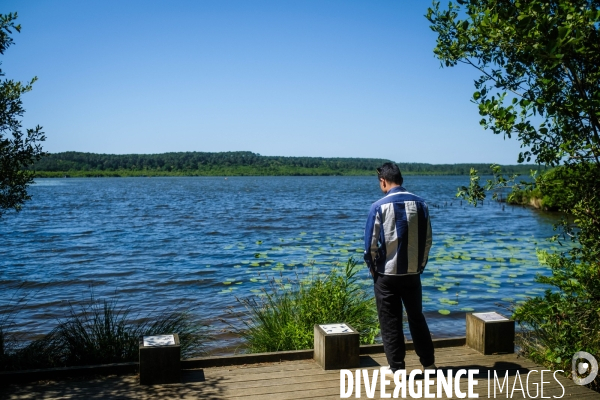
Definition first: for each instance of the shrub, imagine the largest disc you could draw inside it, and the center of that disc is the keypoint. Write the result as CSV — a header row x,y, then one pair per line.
x,y
549,193
284,317
567,319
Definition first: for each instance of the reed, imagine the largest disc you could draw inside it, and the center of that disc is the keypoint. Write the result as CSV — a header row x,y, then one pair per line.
x,y
283,318
101,332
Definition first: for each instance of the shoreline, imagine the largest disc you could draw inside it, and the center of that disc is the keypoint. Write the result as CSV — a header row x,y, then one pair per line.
x,y
116,174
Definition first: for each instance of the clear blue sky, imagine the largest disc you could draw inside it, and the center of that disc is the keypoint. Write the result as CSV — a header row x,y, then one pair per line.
x,y
291,78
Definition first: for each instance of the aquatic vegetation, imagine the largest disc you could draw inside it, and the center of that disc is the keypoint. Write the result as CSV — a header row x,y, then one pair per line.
x,y
283,319
101,332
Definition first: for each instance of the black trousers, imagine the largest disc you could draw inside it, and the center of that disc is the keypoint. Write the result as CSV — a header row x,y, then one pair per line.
x,y
391,292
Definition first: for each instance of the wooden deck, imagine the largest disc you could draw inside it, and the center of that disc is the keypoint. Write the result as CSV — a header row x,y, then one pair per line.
x,y
301,379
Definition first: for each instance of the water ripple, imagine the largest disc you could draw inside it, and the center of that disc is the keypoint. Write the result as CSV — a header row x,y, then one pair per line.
x,y
150,243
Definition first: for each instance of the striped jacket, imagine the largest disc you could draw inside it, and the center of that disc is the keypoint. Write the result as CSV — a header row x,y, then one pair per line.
x,y
398,234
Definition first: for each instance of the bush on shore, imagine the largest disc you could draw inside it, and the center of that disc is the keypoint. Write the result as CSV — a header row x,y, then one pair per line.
x,y
548,194
566,319
283,318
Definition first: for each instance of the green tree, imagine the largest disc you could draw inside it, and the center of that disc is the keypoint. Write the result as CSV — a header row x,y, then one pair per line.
x,y
18,150
540,75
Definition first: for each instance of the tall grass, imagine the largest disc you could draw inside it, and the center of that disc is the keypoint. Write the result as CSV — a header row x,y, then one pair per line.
x,y
102,332
283,318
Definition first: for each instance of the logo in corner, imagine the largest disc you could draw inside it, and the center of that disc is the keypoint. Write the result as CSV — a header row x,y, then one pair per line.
x,y
581,368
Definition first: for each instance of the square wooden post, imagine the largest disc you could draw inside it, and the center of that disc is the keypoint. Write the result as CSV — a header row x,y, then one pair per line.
x,y
490,333
160,359
336,346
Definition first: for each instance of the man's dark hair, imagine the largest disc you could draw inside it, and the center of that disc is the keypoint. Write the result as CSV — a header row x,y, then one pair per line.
x,y
391,173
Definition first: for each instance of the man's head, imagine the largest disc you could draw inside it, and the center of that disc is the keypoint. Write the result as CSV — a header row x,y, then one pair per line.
x,y
389,176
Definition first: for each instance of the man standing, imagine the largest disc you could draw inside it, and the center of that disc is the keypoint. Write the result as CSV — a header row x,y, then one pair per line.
x,y
397,243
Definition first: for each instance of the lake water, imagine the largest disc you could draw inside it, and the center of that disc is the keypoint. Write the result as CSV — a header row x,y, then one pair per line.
x,y
198,242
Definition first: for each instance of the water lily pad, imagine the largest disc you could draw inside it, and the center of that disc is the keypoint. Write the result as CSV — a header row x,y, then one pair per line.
x,y
444,312
467,309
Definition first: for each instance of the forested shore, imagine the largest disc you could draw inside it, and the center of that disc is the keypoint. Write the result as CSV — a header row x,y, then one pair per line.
x,y
240,163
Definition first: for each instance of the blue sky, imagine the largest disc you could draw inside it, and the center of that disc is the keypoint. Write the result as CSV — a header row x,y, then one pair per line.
x,y
290,78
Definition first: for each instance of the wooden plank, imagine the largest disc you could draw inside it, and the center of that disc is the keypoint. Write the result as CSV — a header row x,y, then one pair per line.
x,y
239,359
282,371
321,389
11,377
283,385
334,380
458,353
207,362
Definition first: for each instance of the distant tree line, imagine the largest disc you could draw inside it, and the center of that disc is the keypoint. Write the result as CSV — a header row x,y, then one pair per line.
x,y
232,163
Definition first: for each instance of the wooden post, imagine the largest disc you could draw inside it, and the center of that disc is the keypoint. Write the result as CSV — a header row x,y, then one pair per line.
x,y
160,359
490,333
336,346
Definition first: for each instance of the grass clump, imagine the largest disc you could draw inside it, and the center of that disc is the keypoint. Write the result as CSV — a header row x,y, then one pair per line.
x,y
103,333
100,332
284,318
